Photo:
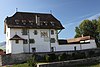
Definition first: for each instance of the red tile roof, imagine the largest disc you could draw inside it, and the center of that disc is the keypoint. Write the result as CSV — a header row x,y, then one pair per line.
x,y
74,40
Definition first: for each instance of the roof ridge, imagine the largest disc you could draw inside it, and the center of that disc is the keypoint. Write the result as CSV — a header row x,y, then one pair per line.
x,y
34,13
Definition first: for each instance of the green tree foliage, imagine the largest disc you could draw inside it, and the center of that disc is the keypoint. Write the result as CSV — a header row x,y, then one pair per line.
x,y
89,28
32,62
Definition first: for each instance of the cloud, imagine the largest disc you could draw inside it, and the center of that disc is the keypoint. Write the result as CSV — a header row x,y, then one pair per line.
x,y
77,20
94,16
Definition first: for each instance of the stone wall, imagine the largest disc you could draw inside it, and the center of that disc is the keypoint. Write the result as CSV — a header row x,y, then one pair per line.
x,y
20,58
71,63
14,58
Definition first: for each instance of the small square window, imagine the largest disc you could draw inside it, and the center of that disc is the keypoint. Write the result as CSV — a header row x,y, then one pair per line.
x,y
17,41
25,41
35,32
24,31
52,40
31,40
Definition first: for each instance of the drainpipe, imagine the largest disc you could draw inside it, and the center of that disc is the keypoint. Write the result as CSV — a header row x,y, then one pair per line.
x,y
28,40
50,39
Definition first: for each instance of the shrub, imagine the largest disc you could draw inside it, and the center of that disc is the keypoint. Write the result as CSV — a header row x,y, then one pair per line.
x,y
63,57
50,57
31,62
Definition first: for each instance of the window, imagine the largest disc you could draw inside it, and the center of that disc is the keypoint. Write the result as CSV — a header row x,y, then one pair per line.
x,y
24,31
52,40
25,41
52,32
31,40
16,20
17,41
35,32
52,23
52,49
23,20
33,49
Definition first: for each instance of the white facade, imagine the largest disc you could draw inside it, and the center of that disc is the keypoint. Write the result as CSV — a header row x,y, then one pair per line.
x,y
45,39
42,44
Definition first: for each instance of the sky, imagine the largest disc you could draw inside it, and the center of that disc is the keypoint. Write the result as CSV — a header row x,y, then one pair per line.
x,y
69,12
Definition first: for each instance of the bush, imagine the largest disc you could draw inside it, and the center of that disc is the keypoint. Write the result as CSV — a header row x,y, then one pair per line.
x,y
63,57
78,55
51,57
31,62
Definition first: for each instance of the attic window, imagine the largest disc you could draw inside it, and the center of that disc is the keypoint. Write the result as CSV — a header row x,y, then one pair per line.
x,y
23,20
31,21
17,23
52,23
24,23
16,20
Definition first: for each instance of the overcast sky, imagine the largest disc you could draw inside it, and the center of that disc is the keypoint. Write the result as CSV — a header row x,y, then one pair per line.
x,y
69,12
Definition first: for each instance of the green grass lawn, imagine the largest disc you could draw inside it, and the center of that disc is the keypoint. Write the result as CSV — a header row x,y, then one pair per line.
x,y
26,65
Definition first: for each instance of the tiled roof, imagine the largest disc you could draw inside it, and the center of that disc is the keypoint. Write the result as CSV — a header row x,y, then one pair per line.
x,y
16,37
74,40
78,39
28,20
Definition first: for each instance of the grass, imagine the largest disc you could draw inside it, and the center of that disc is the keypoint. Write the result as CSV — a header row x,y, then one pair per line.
x,y
26,65
19,65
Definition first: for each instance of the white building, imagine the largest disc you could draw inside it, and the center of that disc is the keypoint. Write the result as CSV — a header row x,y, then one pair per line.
x,y
36,32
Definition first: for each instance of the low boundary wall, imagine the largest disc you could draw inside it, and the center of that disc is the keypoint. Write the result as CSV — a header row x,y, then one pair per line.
x,y
10,59
71,62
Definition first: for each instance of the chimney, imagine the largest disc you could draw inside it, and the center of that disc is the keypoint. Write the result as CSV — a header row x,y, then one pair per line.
x,y
82,35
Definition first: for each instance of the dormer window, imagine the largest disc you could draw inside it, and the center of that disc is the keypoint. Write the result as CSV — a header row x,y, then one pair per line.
x,y
52,23
24,23
16,20
17,23
31,21
23,20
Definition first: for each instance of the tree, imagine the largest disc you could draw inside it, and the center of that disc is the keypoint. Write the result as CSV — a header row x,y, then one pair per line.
x,y
89,28
86,28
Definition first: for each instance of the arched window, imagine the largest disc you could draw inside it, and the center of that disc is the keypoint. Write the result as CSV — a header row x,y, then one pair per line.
x,y
52,32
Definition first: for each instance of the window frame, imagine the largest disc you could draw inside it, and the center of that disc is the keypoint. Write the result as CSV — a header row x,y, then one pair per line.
x,y
25,41
30,41
52,40
35,32
17,41
52,32
24,31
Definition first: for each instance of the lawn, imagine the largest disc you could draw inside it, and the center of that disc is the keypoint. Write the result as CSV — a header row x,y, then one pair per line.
x,y
26,65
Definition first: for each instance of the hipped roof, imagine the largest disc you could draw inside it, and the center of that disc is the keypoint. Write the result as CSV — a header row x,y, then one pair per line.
x,y
46,21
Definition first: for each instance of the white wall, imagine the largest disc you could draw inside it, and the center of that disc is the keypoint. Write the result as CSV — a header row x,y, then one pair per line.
x,y
17,48
41,44
69,47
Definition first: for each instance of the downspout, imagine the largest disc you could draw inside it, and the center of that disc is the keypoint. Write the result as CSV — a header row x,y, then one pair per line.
x,y
50,39
28,40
